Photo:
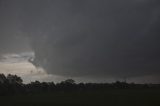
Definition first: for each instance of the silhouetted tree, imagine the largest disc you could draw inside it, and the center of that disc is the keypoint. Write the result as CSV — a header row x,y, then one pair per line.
x,y
12,84
14,79
68,81
2,78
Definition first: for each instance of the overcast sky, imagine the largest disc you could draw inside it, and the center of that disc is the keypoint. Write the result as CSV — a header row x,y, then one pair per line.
x,y
87,39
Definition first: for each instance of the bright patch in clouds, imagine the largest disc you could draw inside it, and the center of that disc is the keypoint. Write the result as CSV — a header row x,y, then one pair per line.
x,y
19,64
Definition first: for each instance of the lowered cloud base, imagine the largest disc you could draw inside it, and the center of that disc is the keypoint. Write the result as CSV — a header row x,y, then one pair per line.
x,y
87,38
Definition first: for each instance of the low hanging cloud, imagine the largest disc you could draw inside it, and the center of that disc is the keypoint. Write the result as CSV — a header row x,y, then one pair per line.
x,y
92,38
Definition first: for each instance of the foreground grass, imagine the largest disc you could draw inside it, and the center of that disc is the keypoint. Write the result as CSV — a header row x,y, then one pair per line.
x,y
116,97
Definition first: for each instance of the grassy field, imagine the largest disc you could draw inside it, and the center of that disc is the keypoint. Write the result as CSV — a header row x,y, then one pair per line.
x,y
116,97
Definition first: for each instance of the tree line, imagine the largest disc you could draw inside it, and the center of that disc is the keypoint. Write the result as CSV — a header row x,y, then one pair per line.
x,y
13,84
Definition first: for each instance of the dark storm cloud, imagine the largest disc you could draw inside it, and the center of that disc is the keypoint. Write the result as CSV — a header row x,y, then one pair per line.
x,y
11,38
93,37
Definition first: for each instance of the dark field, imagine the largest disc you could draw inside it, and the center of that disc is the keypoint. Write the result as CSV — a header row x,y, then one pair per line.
x,y
115,97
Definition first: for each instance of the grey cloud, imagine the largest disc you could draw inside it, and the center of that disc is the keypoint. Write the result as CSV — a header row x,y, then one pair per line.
x,y
11,38
17,58
93,38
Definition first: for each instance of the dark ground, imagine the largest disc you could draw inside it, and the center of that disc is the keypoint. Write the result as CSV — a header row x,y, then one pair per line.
x,y
111,97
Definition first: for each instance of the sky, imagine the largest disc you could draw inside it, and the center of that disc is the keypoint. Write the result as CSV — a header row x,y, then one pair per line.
x,y
88,40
